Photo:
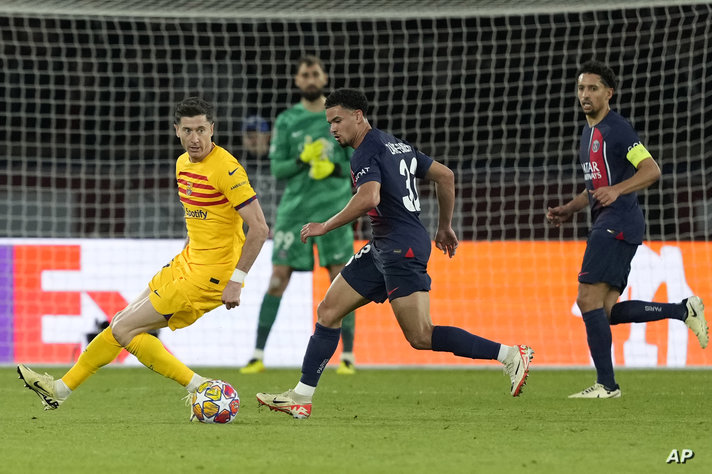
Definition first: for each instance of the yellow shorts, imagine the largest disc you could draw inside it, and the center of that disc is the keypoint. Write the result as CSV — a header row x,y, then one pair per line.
x,y
178,298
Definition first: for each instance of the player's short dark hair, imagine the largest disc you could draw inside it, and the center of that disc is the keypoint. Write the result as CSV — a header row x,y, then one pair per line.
x,y
192,107
351,99
596,67
309,60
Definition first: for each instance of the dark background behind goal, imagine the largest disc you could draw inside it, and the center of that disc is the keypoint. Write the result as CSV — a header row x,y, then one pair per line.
x,y
88,147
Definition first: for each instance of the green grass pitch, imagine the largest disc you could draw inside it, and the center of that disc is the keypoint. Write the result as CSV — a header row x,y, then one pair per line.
x,y
377,421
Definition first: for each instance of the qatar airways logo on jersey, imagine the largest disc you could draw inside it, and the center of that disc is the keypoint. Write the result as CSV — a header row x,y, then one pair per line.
x,y
197,214
363,171
398,148
591,171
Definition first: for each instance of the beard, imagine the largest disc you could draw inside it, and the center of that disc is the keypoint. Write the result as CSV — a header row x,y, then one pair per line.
x,y
312,94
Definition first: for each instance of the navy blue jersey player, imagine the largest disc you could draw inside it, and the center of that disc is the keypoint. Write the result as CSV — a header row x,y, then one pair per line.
x,y
613,137
615,165
393,264
400,247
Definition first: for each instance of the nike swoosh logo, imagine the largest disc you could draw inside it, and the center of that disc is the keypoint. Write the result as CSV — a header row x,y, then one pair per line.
x,y
232,172
394,289
156,292
39,387
515,372
694,313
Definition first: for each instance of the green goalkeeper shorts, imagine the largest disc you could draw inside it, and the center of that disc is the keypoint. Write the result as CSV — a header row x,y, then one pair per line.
x,y
334,248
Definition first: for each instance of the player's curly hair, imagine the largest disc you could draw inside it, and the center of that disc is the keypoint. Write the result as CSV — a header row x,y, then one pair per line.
x,y
596,67
351,99
192,107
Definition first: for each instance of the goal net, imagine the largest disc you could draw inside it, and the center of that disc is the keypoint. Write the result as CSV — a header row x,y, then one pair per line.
x,y
87,90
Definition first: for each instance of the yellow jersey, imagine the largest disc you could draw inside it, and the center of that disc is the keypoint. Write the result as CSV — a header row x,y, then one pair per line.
x,y
211,192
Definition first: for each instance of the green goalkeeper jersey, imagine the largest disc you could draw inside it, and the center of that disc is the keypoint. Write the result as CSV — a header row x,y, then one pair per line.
x,y
306,199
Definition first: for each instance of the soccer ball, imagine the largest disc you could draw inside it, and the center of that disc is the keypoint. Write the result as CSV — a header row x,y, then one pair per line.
x,y
216,401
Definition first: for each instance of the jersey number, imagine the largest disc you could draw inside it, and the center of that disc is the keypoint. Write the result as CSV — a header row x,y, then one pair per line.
x,y
366,248
283,240
411,201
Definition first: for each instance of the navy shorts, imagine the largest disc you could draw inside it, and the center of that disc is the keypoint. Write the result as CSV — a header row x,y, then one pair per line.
x,y
607,260
376,278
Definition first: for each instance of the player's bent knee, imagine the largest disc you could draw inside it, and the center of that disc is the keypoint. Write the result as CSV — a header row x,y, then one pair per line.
x,y
277,286
419,341
326,315
121,331
120,336
586,304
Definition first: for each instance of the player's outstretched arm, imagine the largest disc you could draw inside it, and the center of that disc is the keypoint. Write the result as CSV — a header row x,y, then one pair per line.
x,y
257,234
444,179
367,196
557,215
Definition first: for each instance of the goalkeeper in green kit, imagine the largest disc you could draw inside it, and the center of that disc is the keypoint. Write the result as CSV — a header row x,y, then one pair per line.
x,y
318,185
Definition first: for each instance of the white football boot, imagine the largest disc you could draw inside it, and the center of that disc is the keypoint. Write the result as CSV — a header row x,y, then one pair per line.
x,y
42,385
696,320
516,365
597,391
287,402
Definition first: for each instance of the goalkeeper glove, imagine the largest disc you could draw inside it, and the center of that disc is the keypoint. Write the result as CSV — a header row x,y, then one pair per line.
x,y
312,151
321,168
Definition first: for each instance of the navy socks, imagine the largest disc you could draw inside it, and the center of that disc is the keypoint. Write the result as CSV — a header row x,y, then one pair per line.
x,y
321,347
598,332
646,311
462,343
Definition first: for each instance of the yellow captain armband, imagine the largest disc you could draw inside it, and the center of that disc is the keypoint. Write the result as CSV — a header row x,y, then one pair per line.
x,y
637,153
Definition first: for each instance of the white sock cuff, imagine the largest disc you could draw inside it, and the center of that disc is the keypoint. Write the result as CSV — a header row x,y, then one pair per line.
x,y
195,382
61,390
304,390
503,350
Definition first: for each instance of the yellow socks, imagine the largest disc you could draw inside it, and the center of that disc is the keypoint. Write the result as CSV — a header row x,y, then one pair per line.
x,y
101,350
153,354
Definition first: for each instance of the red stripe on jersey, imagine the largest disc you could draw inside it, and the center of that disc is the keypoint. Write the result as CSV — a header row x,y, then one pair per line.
x,y
193,194
599,171
202,203
193,175
195,185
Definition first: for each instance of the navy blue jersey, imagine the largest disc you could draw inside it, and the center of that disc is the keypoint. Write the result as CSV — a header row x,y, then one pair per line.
x,y
610,153
395,164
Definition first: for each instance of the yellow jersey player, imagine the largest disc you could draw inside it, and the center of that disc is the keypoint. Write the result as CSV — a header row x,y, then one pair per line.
x,y
217,198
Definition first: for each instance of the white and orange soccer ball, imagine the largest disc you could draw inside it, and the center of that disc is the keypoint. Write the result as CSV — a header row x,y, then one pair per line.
x,y
216,401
